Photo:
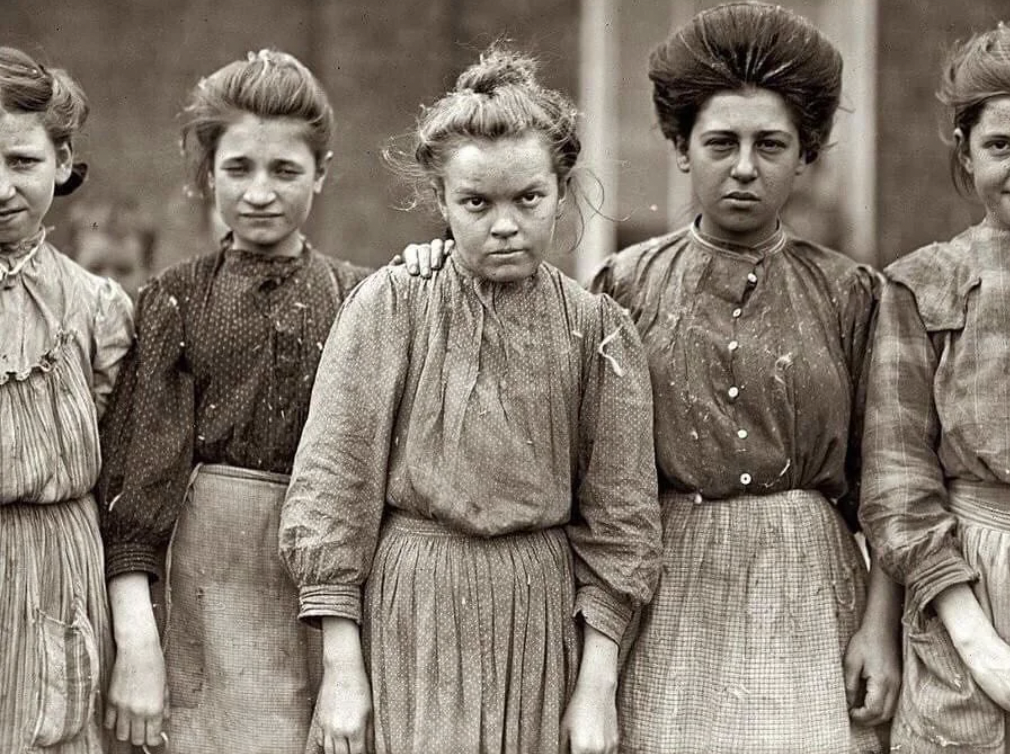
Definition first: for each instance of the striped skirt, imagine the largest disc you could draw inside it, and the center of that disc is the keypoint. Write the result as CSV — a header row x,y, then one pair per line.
x,y
470,642
741,649
941,709
55,635
242,670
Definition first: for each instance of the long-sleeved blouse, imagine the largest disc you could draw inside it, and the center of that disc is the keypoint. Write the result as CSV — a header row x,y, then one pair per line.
x,y
757,360
938,404
63,335
491,407
222,371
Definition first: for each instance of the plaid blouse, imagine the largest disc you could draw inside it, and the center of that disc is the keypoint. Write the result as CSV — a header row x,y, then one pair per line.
x,y
222,371
938,403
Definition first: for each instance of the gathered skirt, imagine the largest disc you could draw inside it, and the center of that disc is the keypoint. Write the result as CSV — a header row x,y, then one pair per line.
x,y
242,670
55,632
741,649
941,709
470,642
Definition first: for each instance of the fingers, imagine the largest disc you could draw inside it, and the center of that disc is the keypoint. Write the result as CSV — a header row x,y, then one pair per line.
x,y
872,712
853,676
439,260
154,734
424,254
110,716
122,726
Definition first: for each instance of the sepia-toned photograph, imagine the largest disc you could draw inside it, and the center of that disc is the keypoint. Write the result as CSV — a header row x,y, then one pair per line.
x,y
504,377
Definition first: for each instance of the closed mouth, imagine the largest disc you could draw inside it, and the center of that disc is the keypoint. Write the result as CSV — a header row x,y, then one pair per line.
x,y
507,251
10,212
742,196
260,215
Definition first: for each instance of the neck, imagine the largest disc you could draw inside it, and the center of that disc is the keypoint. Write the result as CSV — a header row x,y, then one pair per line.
x,y
289,247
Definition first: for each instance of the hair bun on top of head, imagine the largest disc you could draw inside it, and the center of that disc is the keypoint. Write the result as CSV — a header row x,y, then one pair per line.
x,y
496,68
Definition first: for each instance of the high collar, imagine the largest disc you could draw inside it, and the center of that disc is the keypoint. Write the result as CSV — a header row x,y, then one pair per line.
x,y
768,246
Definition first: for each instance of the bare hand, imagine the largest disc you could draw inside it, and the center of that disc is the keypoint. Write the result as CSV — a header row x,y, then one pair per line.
x,y
422,258
343,719
988,659
590,722
872,675
136,701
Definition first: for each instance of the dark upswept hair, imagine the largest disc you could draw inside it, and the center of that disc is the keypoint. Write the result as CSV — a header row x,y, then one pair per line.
x,y
974,72
747,45
267,84
26,86
497,97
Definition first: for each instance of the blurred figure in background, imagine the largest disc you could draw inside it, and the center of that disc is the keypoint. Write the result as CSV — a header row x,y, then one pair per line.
x,y
114,238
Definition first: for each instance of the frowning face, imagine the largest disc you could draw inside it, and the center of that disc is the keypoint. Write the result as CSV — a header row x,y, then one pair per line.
x,y
987,159
743,156
501,199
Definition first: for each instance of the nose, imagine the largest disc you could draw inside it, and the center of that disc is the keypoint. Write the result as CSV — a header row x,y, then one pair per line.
x,y
260,191
744,168
505,225
6,184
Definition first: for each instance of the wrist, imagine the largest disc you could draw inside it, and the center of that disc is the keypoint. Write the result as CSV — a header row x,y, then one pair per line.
x,y
962,616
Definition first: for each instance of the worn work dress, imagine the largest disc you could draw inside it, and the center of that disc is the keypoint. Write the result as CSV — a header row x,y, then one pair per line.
x,y
756,355
63,334
936,494
479,458
200,439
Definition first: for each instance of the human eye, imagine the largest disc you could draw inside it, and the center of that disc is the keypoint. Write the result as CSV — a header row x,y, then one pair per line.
x,y
720,144
474,203
22,161
999,145
772,146
235,169
531,199
289,172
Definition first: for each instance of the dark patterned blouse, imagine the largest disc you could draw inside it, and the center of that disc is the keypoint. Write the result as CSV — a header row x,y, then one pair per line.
x,y
221,372
757,357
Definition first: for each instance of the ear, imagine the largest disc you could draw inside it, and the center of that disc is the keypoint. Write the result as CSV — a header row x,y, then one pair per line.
x,y
563,192
683,159
963,153
801,166
322,168
64,163
438,189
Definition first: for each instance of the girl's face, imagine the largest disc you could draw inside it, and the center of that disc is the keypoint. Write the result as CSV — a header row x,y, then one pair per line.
x,y
30,167
987,158
743,156
264,179
501,199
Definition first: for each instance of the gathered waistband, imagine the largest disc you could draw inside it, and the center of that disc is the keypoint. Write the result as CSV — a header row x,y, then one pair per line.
x,y
786,496
240,473
983,503
407,522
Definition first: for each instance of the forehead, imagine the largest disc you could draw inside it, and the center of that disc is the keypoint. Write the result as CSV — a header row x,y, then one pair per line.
x,y
499,164
746,110
995,116
267,139
22,130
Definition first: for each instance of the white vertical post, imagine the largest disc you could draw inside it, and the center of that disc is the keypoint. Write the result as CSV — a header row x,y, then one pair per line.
x,y
598,76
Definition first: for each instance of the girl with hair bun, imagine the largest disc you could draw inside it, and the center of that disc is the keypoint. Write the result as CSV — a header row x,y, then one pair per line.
x,y
203,429
936,495
475,488
63,335
766,633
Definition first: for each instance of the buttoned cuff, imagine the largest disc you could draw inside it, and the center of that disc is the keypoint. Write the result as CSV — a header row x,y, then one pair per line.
x,y
934,574
603,611
130,557
329,601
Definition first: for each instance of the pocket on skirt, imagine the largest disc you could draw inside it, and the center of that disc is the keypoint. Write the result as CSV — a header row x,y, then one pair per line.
x,y
68,677
940,701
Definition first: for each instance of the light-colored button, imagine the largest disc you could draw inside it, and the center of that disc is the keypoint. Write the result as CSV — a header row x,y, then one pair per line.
x,y
733,345
752,278
742,434
745,478
733,391
697,498
737,313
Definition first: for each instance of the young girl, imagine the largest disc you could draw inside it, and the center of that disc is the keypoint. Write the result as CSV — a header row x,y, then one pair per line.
x,y
937,447
473,441
762,636
63,334
204,426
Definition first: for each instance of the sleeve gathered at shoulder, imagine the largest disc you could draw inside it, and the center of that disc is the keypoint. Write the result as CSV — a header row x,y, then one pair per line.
x,y
147,437
330,520
348,275
858,315
615,525
903,508
112,338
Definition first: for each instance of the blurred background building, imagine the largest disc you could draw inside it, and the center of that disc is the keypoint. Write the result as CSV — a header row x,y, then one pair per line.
x,y
881,190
